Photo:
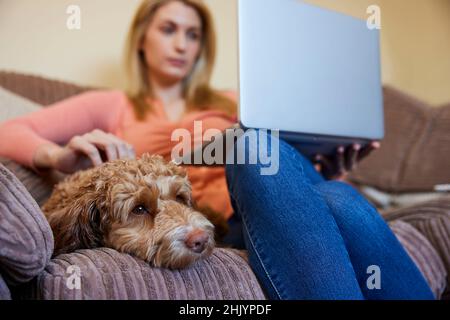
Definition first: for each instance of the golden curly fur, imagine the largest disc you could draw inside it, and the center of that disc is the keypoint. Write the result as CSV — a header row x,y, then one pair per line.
x,y
141,207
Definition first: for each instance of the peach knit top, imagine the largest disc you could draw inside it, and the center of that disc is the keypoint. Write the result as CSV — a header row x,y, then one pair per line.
x,y
112,112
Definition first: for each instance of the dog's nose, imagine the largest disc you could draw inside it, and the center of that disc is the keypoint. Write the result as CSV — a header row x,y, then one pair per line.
x,y
196,240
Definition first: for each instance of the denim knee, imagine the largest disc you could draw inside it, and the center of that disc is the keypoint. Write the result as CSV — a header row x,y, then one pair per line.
x,y
342,191
360,224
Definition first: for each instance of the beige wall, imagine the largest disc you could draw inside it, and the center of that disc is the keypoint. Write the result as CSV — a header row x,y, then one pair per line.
x,y
34,38
415,42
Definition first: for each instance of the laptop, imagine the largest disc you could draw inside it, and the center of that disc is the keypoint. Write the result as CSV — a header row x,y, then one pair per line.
x,y
311,73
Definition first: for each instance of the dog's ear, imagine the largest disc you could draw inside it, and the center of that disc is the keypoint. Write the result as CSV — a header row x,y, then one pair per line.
x,y
77,227
88,227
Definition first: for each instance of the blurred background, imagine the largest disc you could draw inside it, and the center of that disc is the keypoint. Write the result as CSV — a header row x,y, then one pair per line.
x,y
415,40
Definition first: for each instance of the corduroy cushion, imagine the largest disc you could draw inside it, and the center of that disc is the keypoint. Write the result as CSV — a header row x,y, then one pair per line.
x,y
108,274
432,219
414,153
423,254
26,240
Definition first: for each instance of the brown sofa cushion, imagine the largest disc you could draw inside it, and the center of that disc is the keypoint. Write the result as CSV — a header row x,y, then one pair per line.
x,y
423,254
429,162
414,154
38,89
108,274
26,240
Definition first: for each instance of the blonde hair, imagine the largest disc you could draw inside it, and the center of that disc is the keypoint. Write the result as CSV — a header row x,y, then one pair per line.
x,y
197,91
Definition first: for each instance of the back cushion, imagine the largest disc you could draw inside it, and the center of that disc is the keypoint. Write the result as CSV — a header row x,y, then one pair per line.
x,y
415,151
26,240
38,89
12,105
429,162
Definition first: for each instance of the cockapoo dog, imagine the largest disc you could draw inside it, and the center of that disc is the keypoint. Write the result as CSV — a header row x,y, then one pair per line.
x,y
142,207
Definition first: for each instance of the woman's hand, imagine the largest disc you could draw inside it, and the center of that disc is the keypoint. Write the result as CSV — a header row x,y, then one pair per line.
x,y
345,160
82,152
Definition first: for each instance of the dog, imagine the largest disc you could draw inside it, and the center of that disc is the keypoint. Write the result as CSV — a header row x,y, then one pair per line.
x,y
142,207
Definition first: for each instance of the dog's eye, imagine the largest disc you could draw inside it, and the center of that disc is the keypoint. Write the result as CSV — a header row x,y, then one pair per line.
x,y
140,210
180,198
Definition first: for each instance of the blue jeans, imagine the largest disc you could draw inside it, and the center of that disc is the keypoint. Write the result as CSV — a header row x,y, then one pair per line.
x,y
308,238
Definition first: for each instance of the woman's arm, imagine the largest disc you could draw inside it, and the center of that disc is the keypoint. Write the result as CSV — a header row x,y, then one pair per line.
x,y
35,139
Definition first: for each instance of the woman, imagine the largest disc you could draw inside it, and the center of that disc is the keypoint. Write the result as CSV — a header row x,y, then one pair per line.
x,y
311,239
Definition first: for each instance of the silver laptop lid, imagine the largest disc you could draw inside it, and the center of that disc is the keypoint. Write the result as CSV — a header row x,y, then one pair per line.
x,y
309,70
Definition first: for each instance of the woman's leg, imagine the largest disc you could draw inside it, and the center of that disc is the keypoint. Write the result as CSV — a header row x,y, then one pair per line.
x,y
365,234
370,242
294,244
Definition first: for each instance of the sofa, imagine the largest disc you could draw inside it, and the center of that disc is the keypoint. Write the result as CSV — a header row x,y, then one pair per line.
x,y
412,161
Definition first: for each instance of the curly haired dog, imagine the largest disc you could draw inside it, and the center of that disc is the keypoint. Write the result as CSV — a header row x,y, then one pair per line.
x,y
142,207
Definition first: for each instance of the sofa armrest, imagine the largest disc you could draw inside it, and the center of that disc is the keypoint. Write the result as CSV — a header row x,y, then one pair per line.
x,y
106,274
423,254
432,220
414,153
26,240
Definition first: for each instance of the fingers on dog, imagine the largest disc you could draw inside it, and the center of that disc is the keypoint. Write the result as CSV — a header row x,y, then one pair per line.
x,y
114,147
125,150
104,142
79,144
